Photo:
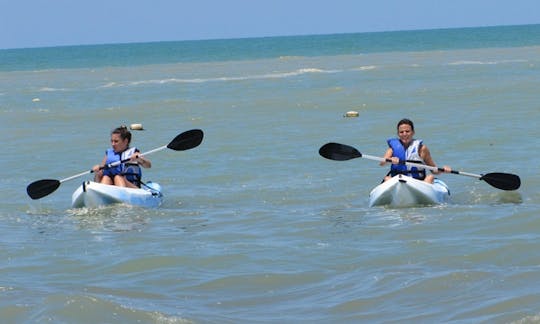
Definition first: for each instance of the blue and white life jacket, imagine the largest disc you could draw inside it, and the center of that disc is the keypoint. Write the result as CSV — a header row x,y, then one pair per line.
x,y
132,171
409,154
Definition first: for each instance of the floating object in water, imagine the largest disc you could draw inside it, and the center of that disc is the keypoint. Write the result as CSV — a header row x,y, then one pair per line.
x,y
136,127
36,100
351,113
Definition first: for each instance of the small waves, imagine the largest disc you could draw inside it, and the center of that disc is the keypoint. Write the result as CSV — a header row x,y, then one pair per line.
x,y
49,89
473,62
273,75
71,308
364,68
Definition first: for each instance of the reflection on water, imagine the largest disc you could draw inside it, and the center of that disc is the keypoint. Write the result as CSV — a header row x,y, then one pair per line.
x,y
480,195
508,197
114,218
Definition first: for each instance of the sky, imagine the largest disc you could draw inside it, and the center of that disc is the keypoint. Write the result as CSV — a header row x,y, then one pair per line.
x,y
44,23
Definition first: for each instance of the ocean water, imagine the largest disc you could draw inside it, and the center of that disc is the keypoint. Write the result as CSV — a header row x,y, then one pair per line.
x,y
256,227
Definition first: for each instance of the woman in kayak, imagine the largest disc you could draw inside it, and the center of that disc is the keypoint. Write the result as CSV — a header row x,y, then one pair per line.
x,y
406,148
127,174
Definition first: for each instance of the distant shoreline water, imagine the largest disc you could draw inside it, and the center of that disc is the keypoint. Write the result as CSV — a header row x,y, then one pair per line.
x,y
134,54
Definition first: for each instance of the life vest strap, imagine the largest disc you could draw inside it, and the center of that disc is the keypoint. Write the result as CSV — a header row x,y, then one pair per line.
x,y
421,173
133,174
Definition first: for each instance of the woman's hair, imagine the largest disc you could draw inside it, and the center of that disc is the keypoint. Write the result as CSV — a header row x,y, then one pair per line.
x,y
123,132
405,121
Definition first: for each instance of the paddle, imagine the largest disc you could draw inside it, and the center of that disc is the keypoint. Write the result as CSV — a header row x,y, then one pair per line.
x,y
184,141
342,152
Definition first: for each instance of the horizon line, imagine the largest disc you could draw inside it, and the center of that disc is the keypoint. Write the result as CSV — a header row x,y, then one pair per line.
x,y
262,37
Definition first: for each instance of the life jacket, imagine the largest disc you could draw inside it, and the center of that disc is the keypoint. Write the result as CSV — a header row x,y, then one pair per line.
x,y
132,171
409,154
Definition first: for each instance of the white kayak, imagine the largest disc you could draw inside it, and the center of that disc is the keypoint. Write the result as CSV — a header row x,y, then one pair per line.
x,y
405,191
93,194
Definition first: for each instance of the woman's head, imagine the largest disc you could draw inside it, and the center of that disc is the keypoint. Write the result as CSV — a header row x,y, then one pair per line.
x,y
120,138
406,121
405,130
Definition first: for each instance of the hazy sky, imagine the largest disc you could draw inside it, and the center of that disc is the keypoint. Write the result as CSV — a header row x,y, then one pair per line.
x,y
36,23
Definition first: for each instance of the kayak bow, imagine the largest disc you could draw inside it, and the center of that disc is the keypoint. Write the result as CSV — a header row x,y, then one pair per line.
x,y
405,191
93,194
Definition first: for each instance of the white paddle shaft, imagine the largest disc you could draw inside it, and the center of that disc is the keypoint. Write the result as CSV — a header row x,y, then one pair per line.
x,y
419,165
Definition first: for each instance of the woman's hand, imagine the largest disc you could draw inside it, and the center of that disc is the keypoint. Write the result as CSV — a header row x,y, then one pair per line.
x,y
388,156
394,159
137,158
447,169
141,160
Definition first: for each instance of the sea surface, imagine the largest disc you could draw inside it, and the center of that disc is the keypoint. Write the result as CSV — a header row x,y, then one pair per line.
x,y
256,227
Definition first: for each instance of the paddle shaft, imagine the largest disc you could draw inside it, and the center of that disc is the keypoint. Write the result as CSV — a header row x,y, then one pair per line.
x,y
423,166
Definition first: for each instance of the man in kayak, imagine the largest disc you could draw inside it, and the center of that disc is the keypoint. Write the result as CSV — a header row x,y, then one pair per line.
x,y
127,174
406,148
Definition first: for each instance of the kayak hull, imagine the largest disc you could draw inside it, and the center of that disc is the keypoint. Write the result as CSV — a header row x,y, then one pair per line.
x,y
405,191
93,194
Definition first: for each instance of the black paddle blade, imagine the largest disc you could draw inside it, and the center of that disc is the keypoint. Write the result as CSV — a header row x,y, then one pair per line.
x,y
339,152
504,181
187,140
41,188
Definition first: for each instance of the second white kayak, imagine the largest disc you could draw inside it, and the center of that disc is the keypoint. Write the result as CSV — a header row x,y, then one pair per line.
x,y
92,194
405,191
